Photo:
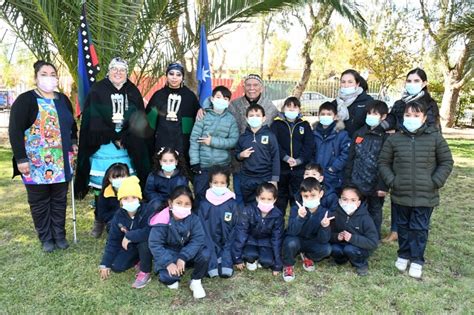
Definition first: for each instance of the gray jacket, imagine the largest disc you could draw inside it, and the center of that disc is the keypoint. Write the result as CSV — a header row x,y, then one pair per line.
x,y
239,106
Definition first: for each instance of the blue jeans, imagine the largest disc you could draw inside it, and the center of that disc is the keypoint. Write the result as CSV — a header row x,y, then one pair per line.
x,y
343,252
264,255
199,263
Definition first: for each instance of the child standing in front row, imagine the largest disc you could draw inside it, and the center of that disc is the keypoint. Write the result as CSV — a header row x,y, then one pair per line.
x,y
308,230
218,212
259,233
177,240
211,140
332,146
296,142
168,173
415,163
258,151
128,236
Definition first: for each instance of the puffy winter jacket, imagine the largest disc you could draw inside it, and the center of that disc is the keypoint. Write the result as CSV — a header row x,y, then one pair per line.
x,y
359,224
295,139
168,236
415,166
309,227
224,135
362,169
159,187
357,113
253,229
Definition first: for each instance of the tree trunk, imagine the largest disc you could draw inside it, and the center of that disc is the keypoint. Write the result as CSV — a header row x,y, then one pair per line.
x,y
450,99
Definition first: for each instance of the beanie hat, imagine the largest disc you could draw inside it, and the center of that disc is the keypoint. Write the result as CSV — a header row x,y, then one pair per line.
x,y
175,66
255,77
118,62
130,187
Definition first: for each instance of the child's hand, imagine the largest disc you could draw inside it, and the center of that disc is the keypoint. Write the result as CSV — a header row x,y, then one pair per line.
x,y
340,236
347,236
292,162
200,114
172,269
326,221
381,193
180,265
275,273
205,140
246,153
125,242
104,273
240,266
301,210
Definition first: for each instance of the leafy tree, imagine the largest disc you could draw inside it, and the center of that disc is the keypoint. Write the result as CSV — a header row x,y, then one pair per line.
x,y
279,54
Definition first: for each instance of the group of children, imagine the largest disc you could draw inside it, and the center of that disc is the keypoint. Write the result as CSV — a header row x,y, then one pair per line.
x,y
335,184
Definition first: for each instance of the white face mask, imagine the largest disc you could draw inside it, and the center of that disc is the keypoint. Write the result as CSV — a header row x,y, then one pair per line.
x,y
348,207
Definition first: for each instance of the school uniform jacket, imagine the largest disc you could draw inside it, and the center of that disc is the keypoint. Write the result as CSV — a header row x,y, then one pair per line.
x,y
309,227
107,204
159,187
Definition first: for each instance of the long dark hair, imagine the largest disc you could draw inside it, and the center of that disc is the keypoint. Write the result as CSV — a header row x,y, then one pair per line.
x,y
115,170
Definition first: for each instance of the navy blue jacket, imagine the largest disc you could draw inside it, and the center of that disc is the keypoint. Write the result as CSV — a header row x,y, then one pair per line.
x,y
362,169
357,113
138,231
219,223
330,199
295,139
332,152
175,239
264,162
253,229
359,224
159,187
309,227
107,205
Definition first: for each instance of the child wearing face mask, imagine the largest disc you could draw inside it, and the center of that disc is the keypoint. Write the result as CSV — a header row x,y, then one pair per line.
x,y
177,241
168,172
259,233
212,139
108,203
218,212
353,233
296,148
308,230
362,170
415,163
258,151
332,146
127,243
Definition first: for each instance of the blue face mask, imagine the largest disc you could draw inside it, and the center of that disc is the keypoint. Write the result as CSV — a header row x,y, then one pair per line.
x,y
219,191
168,167
255,122
116,182
220,104
348,90
311,203
291,115
412,123
413,88
131,206
372,120
326,120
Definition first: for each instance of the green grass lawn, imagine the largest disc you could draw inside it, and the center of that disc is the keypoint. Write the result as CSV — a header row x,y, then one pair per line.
x,y
67,281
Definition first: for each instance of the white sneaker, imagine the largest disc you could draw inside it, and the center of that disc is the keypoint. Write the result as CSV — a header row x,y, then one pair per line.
x,y
252,266
401,264
415,271
174,286
198,290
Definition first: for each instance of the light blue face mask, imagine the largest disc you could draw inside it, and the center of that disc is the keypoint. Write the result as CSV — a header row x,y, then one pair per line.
x,y
348,90
131,206
116,182
291,115
219,191
255,122
326,120
372,120
220,104
412,123
168,167
413,88
311,203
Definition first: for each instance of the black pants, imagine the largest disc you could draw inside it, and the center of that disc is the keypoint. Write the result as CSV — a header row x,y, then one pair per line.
x,y
135,252
343,252
200,185
375,206
288,186
293,245
48,204
199,263
249,185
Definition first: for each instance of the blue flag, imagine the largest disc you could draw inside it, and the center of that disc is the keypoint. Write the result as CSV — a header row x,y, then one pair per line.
x,y
203,71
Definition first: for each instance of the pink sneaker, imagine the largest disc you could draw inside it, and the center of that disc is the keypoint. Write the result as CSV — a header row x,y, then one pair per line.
x,y
142,279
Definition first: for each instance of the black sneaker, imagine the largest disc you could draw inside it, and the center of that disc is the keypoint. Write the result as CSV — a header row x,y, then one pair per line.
x,y
362,271
48,246
62,244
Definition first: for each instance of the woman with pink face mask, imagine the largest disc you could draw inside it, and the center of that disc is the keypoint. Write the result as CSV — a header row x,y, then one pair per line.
x,y
177,240
43,136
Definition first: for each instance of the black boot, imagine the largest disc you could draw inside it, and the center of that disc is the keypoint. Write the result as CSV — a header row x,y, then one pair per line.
x,y
97,229
48,246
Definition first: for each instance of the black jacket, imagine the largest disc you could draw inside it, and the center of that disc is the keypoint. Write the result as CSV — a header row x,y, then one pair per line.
x,y
309,227
357,113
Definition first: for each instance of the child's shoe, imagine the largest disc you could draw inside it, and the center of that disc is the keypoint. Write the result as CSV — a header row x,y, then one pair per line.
x,y
308,264
362,271
415,271
401,264
198,290
288,273
173,286
97,229
141,280
252,266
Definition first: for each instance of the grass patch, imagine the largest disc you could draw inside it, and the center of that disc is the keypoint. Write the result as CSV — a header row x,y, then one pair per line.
x,y
68,281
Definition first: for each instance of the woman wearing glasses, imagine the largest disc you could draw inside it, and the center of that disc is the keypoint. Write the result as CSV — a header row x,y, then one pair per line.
x,y
112,130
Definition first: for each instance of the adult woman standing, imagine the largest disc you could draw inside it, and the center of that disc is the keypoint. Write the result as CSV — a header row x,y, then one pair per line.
x,y
351,100
171,113
108,135
43,136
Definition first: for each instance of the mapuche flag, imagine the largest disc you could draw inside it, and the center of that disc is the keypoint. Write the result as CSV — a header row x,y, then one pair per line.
x,y
87,61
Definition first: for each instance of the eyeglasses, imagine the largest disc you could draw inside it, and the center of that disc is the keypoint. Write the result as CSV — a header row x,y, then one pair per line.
x,y
117,70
